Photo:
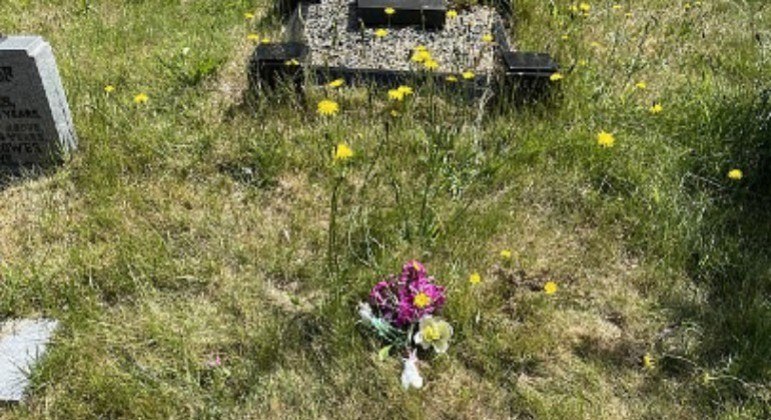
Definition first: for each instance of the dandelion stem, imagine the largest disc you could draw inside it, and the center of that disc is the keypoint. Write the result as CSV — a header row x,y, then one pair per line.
x,y
332,232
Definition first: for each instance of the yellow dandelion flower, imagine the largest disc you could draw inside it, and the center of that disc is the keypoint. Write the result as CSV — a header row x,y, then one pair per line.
x,y
265,41
405,90
474,278
380,33
336,83
452,14
395,95
431,64
656,109
327,108
565,37
735,174
389,11
343,152
687,6
249,16
629,15
451,79
506,254
585,7
648,361
616,7
573,8
488,38
595,44
468,75
421,55
556,77
109,88
253,37
141,98
605,139
292,62
550,288
641,85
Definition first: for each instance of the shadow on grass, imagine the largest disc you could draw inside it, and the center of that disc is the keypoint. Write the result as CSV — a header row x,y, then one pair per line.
x,y
13,176
731,250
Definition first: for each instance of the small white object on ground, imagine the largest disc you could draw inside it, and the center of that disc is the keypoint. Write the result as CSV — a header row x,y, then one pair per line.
x,y
411,375
22,343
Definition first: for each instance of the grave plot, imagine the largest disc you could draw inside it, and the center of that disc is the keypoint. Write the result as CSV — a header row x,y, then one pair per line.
x,y
389,41
336,39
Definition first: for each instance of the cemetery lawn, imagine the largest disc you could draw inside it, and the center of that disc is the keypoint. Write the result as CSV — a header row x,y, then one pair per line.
x,y
196,224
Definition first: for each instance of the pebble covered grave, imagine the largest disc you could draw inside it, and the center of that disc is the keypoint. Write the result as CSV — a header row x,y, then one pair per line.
x,y
336,38
377,41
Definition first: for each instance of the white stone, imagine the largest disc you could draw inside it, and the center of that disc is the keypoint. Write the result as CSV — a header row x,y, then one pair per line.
x,y
22,343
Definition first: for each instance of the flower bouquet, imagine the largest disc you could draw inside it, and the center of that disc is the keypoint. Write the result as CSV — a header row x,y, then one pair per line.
x,y
403,310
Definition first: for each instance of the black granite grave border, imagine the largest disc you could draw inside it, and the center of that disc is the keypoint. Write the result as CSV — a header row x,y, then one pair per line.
x,y
271,63
394,78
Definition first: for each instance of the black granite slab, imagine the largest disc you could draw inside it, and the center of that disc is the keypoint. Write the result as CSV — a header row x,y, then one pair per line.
x,y
276,61
429,14
528,64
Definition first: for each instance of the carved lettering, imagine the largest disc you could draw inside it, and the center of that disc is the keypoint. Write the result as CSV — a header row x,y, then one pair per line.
x,y
6,74
12,114
19,148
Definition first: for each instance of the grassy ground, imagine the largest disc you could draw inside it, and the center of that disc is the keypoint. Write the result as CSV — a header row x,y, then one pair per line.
x,y
198,223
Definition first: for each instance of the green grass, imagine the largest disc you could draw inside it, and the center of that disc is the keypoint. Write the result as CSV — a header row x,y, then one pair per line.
x,y
198,224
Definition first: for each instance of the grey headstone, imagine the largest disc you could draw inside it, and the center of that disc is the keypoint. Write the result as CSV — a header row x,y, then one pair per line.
x,y
22,343
35,122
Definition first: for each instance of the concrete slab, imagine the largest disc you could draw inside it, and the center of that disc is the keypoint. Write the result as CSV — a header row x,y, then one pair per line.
x,y
22,343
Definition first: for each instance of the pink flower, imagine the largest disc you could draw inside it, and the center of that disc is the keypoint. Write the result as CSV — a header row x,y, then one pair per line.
x,y
384,298
412,270
417,298
404,300
214,361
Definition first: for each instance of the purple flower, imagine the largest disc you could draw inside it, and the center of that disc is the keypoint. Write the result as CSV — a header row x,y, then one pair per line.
x,y
404,300
418,298
384,298
412,271
380,294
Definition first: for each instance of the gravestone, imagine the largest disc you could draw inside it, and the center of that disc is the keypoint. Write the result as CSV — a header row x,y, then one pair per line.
x,y
35,123
22,343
